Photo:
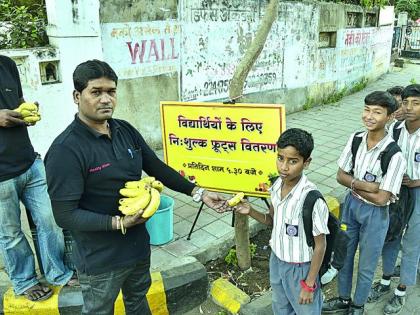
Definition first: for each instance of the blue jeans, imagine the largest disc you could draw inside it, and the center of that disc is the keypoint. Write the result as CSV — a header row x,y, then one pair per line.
x,y
100,291
367,226
285,283
31,189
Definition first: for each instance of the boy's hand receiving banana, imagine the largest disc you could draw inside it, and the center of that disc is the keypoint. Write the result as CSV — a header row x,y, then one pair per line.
x,y
243,207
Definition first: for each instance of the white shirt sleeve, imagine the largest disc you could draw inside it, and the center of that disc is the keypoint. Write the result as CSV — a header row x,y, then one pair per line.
x,y
393,178
320,218
345,160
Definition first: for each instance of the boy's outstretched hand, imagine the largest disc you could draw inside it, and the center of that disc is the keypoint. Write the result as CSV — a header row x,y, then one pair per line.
x,y
243,207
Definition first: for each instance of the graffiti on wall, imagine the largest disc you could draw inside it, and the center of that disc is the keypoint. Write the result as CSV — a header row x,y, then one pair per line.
x,y
359,52
140,49
211,48
223,11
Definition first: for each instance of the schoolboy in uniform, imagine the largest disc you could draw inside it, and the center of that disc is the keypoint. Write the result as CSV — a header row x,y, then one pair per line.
x,y
396,92
365,210
409,141
294,266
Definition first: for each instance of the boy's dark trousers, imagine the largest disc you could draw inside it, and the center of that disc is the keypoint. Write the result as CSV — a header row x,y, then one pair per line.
x,y
367,226
100,291
409,245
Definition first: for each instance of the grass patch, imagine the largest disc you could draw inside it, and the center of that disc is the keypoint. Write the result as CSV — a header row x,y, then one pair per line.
x,y
310,102
359,85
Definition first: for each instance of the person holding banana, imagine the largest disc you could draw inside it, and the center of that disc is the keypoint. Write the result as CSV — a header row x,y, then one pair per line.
x,y
22,178
88,165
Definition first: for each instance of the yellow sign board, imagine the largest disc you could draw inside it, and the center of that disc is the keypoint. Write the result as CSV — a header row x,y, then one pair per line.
x,y
223,147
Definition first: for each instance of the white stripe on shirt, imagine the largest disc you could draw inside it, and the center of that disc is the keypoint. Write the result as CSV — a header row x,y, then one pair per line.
x,y
289,211
410,147
368,161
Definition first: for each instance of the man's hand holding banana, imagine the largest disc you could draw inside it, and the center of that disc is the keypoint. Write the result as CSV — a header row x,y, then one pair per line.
x,y
214,201
10,118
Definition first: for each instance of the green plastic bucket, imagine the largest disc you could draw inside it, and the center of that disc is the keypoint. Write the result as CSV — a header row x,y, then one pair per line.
x,y
161,225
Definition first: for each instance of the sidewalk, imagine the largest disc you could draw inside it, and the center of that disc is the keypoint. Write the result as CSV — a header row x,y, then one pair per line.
x,y
330,126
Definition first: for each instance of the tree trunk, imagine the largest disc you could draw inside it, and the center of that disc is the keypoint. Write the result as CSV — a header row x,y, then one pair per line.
x,y
235,92
241,72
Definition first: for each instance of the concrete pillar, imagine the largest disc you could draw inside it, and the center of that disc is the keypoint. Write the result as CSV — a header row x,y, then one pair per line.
x,y
74,29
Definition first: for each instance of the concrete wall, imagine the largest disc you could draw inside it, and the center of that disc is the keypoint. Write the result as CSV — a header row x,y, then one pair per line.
x,y
294,66
188,50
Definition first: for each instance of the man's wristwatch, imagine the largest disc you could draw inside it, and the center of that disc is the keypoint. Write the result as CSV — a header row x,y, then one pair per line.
x,y
198,195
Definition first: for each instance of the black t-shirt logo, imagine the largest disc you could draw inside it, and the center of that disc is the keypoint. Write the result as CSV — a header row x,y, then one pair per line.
x,y
417,157
292,230
369,177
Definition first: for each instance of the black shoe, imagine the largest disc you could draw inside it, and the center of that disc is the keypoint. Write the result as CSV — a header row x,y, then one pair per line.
x,y
394,305
378,290
336,305
356,310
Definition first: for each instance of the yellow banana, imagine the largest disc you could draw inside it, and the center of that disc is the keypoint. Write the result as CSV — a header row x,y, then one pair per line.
x,y
26,113
148,179
28,106
135,184
153,204
135,205
133,192
236,199
32,119
157,185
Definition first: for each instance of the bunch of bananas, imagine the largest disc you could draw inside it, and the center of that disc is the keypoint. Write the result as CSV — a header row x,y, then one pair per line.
x,y
29,112
139,195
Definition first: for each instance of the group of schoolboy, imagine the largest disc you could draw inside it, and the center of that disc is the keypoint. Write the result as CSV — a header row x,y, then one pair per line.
x,y
294,265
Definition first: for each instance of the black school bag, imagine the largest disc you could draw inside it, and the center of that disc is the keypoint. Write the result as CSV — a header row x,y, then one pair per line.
x,y
399,211
337,240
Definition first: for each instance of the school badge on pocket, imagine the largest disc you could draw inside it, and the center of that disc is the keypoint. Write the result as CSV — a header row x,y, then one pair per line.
x,y
417,157
291,230
369,177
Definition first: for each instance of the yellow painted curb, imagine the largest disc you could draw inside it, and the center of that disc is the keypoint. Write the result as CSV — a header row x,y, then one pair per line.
x,y
228,296
333,205
156,297
20,305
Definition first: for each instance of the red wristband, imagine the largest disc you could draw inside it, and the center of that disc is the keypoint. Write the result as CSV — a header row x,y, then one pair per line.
x,y
306,287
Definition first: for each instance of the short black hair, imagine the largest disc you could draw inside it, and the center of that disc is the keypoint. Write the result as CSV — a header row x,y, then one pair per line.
x,y
395,90
411,90
91,70
382,98
300,139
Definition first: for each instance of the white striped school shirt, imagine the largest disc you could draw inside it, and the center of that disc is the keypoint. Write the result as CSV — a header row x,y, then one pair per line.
x,y
288,240
368,164
410,147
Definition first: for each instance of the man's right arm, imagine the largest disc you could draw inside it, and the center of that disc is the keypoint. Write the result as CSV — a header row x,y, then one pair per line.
x,y
10,118
69,216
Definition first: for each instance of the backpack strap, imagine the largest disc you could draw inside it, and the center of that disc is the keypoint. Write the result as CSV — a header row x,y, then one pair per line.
x,y
396,131
387,154
354,147
308,208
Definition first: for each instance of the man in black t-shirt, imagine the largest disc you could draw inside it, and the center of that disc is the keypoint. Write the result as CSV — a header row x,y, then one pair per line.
x,y
86,166
22,178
